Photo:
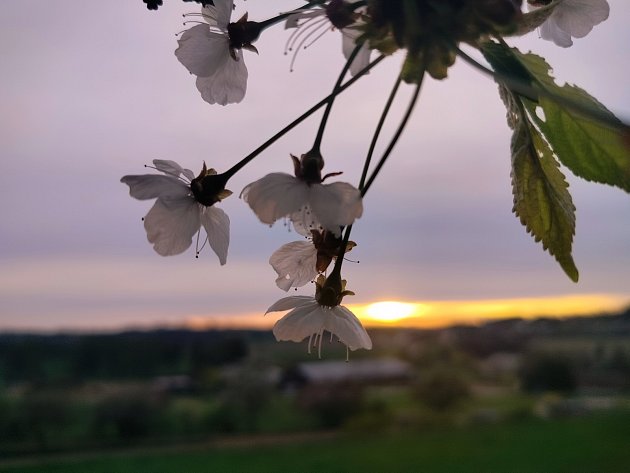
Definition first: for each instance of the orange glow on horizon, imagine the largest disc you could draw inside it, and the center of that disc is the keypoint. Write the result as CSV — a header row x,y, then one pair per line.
x,y
436,314
393,311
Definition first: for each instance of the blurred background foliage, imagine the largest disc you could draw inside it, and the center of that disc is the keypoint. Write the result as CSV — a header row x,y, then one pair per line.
x,y
62,394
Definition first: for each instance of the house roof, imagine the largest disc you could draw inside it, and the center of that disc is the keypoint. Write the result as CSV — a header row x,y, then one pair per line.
x,y
359,370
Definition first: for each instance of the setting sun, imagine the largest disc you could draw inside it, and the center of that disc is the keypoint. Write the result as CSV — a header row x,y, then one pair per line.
x,y
436,313
391,311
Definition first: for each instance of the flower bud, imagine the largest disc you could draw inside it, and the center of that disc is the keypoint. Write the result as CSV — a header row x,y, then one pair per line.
x,y
209,187
243,33
340,13
309,167
330,291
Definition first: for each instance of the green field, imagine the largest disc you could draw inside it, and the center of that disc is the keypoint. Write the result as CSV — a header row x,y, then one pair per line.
x,y
596,443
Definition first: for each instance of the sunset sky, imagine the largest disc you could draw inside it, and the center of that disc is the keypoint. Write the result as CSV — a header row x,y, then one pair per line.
x,y
92,91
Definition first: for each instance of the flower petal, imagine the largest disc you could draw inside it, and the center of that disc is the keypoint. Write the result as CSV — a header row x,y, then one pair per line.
x,y
275,196
188,174
348,43
335,205
551,32
301,322
218,14
227,85
290,302
202,51
171,224
347,327
217,225
295,264
172,168
150,186
304,221
578,17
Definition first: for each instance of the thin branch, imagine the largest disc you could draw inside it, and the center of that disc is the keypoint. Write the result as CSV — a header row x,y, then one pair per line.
x,y
395,138
237,167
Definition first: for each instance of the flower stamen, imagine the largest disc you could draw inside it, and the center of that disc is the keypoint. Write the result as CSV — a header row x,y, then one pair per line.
x,y
319,348
198,250
167,172
299,31
299,39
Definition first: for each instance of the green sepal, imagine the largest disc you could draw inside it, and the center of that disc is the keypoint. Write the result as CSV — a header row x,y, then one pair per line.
x,y
413,68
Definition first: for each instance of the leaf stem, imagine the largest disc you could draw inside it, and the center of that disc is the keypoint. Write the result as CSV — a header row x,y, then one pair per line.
x,y
532,93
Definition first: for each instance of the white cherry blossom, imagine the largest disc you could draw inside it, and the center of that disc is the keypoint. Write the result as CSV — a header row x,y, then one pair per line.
x,y
304,198
309,319
572,19
206,51
279,195
295,264
348,43
299,262
177,215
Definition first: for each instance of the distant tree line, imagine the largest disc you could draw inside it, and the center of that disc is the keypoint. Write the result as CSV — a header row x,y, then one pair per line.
x,y
67,358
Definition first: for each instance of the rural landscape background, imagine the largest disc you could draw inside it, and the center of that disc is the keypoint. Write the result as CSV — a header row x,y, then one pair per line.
x,y
530,395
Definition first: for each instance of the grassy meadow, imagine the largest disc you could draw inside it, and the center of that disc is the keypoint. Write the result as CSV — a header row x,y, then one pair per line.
x,y
594,443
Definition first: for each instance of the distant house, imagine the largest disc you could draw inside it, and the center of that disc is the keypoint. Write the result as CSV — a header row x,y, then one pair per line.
x,y
356,373
177,384
500,364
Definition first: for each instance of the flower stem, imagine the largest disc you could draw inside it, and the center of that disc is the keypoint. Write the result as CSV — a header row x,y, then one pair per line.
x,y
342,250
395,138
377,131
282,16
390,100
237,167
331,100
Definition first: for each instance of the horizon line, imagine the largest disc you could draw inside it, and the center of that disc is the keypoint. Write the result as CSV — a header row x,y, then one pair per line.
x,y
420,315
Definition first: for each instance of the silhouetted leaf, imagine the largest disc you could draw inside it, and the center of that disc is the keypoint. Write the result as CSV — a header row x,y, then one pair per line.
x,y
541,197
584,135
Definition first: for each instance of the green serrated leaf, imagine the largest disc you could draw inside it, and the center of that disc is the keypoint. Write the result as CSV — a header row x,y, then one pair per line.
x,y
505,62
550,122
584,135
541,197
